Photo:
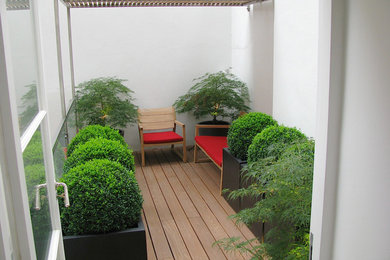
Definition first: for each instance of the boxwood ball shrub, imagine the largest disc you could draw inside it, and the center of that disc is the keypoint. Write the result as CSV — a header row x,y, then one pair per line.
x,y
104,197
100,148
94,131
244,129
271,142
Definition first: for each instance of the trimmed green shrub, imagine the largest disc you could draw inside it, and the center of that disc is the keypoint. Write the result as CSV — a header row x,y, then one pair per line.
x,y
244,129
271,142
285,186
94,131
100,148
104,197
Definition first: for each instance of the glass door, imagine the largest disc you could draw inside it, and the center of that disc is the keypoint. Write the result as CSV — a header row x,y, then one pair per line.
x,y
26,141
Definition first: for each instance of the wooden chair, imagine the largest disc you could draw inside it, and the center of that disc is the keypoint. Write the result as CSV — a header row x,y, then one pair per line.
x,y
154,120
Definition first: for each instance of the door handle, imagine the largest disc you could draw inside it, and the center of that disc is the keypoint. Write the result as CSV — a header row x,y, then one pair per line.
x,y
38,195
64,195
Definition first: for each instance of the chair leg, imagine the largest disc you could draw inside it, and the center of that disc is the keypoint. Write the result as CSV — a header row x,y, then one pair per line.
x,y
220,184
143,154
195,153
184,152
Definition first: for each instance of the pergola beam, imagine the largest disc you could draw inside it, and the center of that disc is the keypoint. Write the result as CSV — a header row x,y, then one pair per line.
x,y
155,3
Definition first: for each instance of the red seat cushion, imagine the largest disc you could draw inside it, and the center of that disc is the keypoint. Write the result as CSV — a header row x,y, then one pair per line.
x,y
213,146
162,137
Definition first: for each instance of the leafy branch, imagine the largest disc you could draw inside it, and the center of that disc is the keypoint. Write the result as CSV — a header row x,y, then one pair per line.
x,y
218,94
105,101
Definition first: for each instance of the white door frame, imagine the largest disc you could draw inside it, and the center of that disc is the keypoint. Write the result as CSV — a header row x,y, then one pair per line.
x,y
20,243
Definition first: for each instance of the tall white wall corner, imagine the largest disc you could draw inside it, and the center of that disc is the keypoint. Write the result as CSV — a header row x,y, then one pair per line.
x,y
252,52
350,206
328,127
295,74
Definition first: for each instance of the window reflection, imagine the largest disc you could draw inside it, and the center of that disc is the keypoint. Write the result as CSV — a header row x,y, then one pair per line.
x,y
22,44
34,169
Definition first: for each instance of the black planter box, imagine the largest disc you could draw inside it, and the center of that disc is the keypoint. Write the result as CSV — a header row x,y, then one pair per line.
x,y
127,244
247,202
214,131
231,178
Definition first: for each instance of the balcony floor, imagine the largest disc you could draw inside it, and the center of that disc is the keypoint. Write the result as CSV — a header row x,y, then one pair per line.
x,y
183,211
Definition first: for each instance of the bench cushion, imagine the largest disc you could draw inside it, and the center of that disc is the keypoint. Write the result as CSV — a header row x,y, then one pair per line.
x,y
162,137
213,146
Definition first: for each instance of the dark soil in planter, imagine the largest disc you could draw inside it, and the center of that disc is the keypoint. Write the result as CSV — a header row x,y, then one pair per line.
x,y
126,244
214,131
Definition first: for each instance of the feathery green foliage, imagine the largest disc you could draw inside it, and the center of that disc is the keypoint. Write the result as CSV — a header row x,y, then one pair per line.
x,y
29,107
94,131
100,148
270,142
105,101
104,197
285,186
244,129
218,94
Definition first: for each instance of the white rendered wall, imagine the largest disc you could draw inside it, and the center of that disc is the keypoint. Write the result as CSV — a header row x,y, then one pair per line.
x,y
351,209
252,52
295,63
362,225
158,50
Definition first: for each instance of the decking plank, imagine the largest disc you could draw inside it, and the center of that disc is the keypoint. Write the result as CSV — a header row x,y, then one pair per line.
x,y
214,189
216,221
190,239
184,213
172,233
203,233
231,229
149,246
157,234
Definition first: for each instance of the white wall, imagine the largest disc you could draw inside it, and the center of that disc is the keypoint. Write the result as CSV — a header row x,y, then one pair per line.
x,y
350,220
295,63
252,52
158,50
363,204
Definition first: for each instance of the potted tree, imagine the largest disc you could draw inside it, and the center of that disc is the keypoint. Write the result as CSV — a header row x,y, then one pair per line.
x,y
219,95
105,101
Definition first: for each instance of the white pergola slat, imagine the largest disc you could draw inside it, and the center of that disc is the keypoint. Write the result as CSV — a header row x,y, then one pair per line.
x,y
155,3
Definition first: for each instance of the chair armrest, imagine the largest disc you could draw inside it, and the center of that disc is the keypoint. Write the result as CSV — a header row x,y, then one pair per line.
x,y
179,123
208,126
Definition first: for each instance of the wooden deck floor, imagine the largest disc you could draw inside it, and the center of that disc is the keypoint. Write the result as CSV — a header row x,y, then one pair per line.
x,y
183,210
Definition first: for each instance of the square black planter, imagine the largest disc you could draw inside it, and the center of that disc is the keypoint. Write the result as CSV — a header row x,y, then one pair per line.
x,y
231,178
214,131
256,228
126,244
